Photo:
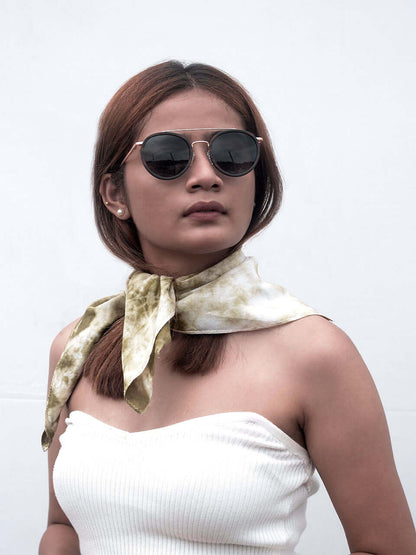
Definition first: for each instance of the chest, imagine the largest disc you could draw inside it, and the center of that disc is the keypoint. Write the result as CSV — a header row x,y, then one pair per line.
x,y
257,373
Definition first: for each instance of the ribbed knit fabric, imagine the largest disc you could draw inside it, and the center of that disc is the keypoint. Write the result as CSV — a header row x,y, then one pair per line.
x,y
231,482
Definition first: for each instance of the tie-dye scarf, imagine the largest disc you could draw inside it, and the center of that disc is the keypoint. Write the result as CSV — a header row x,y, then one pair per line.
x,y
227,297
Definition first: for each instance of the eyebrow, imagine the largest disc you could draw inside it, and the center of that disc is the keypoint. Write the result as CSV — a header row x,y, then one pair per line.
x,y
206,131
192,129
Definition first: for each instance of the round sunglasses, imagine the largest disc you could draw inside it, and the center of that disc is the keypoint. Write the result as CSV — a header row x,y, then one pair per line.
x,y
167,155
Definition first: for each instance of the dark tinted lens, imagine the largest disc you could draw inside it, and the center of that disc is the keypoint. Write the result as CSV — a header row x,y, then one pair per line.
x,y
165,156
234,152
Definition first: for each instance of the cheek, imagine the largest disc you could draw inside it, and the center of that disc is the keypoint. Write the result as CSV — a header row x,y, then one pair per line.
x,y
150,209
245,199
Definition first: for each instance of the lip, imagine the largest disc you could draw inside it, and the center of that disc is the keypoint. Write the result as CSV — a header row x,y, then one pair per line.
x,y
200,207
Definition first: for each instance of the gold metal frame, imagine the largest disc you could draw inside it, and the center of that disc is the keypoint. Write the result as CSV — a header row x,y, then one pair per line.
x,y
139,143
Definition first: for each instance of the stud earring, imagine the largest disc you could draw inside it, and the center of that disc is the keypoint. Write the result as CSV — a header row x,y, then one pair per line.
x,y
106,203
120,212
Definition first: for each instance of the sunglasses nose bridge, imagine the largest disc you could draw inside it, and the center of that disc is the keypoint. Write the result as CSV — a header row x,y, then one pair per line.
x,y
207,153
200,141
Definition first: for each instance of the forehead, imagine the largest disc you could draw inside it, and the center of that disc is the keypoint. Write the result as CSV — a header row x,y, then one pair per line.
x,y
190,110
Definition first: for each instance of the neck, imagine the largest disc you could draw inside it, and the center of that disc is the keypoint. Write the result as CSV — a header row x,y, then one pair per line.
x,y
183,264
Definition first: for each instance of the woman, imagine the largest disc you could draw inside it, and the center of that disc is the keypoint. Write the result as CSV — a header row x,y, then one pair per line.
x,y
215,448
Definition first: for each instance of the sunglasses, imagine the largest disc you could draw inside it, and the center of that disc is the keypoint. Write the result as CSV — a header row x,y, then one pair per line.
x,y
167,155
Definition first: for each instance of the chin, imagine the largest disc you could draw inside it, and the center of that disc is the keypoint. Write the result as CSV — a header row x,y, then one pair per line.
x,y
209,241
210,246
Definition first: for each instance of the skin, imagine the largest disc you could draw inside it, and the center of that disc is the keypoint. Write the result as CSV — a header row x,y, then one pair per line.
x,y
306,377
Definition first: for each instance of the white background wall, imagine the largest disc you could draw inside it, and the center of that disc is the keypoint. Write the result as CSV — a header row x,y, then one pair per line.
x,y
335,81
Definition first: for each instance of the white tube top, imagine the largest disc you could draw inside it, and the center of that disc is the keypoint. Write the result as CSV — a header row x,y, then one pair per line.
x,y
225,483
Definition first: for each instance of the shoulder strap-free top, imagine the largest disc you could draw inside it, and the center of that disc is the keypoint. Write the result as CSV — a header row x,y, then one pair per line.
x,y
224,483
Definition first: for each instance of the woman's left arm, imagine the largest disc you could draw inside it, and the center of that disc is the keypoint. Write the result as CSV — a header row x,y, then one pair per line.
x,y
347,438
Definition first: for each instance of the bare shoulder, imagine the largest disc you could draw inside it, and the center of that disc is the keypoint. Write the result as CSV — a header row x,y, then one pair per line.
x,y
316,342
325,361
316,330
58,344
63,336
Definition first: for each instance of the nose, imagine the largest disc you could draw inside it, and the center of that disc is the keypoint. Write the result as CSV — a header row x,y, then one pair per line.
x,y
202,174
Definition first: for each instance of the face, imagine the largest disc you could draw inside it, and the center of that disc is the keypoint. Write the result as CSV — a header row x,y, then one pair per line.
x,y
160,208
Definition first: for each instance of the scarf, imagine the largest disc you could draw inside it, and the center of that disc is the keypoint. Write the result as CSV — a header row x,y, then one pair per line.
x,y
225,298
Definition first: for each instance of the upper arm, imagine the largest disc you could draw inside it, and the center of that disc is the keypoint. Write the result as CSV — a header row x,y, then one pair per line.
x,y
348,440
56,514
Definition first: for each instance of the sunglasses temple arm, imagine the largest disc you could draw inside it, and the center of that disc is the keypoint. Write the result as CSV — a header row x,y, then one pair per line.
x,y
130,151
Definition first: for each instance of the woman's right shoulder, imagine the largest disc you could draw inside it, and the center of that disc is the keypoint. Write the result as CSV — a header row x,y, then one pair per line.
x,y
59,343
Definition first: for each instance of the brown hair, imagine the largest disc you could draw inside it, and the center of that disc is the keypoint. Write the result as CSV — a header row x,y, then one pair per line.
x,y
119,126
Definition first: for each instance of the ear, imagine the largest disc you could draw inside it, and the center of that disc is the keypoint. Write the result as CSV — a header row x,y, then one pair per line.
x,y
114,198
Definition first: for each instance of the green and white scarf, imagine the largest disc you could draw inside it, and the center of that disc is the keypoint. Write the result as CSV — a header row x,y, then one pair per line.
x,y
225,298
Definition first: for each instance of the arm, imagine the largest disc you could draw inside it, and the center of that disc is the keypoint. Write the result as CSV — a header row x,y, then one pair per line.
x,y
348,440
59,538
